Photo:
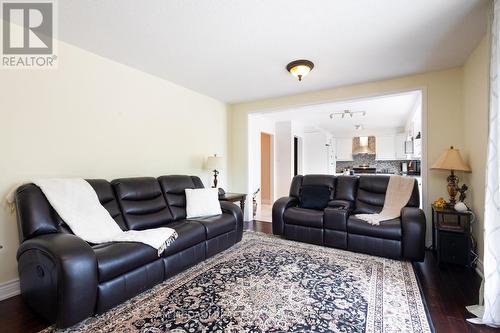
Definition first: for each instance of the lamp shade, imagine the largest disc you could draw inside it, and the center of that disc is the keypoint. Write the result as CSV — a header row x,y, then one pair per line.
x,y
451,160
214,162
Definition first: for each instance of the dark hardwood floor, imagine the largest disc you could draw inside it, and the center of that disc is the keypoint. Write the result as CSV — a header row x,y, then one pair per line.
x,y
447,289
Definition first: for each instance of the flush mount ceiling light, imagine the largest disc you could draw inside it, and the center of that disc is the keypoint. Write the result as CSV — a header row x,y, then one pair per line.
x,y
300,68
347,114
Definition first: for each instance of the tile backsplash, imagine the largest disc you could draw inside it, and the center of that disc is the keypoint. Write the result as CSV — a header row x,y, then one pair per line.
x,y
382,166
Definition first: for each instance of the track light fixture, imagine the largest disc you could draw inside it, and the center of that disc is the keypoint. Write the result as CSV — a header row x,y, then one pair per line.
x,y
347,114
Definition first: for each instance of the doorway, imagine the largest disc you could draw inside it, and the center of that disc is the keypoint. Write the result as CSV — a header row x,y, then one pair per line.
x,y
264,208
397,119
265,168
297,155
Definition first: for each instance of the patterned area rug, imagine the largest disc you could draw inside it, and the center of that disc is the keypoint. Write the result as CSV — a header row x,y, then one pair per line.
x,y
267,284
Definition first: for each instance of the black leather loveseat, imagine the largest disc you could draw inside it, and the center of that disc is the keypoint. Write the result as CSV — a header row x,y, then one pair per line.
x,y
307,217
65,279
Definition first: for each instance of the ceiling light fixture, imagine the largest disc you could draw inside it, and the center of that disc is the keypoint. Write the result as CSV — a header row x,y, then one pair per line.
x,y
347,113
359,127
300,68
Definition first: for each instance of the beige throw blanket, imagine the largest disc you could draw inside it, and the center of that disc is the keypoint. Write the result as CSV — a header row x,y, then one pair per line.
x,y
398,193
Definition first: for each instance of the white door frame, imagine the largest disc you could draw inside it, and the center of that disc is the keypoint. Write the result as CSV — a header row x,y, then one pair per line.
x,y
271,171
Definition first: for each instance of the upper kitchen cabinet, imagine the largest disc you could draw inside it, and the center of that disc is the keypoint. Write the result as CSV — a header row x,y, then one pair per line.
x,y
417,146
343,149
318,153
386,147
400,140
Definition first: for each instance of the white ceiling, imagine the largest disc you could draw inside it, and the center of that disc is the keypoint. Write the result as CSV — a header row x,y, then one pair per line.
x,y
237,50
383,113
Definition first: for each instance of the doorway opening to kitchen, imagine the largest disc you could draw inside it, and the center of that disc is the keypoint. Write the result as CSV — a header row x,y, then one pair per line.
x,y
264,205
297,155
381,135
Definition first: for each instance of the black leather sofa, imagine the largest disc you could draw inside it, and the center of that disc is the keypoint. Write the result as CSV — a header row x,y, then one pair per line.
x,y
332,223
66,279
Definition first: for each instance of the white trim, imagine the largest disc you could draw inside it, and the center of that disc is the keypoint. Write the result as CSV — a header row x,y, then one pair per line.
x,y
9,289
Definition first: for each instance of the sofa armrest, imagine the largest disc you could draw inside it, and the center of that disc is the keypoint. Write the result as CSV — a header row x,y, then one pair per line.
x,y
413,226
231,208
336,218
58,275
340,204
279,208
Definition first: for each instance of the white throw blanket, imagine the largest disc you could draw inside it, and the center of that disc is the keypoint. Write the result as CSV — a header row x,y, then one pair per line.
x,y
396,197
78,205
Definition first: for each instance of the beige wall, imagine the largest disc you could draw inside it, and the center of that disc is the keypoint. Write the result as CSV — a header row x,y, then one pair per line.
x,y
476,102
95,118
443,95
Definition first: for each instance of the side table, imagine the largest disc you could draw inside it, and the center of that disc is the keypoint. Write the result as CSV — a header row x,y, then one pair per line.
x,y
234,197
451,238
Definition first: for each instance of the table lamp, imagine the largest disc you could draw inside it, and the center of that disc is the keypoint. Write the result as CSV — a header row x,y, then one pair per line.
x,y
215,163
452,161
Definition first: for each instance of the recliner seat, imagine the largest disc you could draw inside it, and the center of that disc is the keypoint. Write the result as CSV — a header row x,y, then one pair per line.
x,y
333,223
66,279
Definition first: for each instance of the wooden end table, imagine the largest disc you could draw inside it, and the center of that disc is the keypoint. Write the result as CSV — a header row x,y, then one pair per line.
x,y
234,197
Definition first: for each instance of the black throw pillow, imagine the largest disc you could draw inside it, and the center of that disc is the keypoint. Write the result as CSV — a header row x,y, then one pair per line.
x,y
314,197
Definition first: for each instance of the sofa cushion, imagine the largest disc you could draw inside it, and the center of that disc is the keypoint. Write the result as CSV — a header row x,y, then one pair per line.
x,y
217,225
314,197
189,233
390,229
371,194
304,217
346,188
319,180
115,259
173,188
104,192
142,202
295,186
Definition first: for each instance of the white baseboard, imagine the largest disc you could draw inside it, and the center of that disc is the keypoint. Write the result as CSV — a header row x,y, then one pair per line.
x,y
9,289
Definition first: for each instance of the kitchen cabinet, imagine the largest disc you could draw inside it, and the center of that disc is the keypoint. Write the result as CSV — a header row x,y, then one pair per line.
x,y
343,149
417,148
400,146
385,147
315,153
391,147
